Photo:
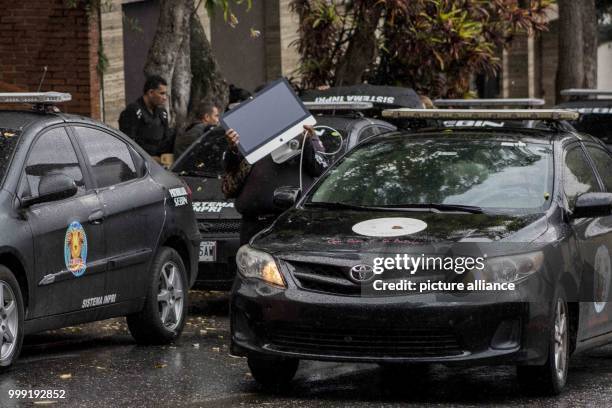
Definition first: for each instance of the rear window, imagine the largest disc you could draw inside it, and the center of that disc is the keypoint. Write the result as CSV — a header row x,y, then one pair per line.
x,y
8,141
205,157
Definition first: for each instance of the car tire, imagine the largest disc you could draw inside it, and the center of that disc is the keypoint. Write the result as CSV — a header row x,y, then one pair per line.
x,y
274,373
550,378
11,318
163,316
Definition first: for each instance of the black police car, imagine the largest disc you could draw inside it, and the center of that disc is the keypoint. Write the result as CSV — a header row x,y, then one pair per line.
x,y
595,108
531,207
92,228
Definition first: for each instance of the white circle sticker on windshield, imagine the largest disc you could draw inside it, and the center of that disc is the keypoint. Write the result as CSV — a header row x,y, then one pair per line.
x,y
389,227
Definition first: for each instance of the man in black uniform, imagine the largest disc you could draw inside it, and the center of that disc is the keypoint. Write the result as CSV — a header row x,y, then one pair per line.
x,y
207,117
146,120
253,185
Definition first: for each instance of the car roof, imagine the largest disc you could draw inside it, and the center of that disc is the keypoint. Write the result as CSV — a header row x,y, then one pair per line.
x,y
23,119
20,120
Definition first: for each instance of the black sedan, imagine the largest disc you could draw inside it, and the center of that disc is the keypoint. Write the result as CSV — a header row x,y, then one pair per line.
x,y
345,274
92,228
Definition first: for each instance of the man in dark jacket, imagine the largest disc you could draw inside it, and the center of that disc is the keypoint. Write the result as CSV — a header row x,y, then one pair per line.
x,y
253,185
207,117
146,120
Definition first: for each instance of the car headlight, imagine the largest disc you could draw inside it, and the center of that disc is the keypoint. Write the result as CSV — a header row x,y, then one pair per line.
x,y
507,269
259,265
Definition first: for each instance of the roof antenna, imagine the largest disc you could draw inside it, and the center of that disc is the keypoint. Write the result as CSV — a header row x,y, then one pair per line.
x,y
43,78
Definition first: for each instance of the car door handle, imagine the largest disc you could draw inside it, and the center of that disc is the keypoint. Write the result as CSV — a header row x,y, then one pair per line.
x,y
96,217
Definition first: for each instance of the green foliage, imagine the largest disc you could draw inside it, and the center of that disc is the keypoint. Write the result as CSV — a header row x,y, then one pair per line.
x,y
434,46
225,7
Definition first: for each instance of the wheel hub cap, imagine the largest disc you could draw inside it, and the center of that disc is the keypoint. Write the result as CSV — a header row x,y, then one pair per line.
x,y
8,321
170,296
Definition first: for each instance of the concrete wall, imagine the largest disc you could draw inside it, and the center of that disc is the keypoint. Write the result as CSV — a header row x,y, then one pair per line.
x,y
604,66
241,57
113,80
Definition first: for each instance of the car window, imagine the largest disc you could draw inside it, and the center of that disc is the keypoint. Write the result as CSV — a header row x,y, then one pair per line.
x,y
579,177
52,153
400,171
603,164
371,131
205,158
109,157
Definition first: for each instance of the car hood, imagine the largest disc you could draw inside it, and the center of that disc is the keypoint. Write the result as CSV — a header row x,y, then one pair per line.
x,y
323,231
208,199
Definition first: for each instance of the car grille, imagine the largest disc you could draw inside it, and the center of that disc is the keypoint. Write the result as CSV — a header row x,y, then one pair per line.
x,y
219,226
334,279
368,342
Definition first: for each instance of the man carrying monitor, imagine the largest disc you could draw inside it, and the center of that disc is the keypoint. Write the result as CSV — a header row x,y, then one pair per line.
x,y
253,185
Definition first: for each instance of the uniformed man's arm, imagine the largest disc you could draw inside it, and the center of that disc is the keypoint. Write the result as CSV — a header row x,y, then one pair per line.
x,y
129,121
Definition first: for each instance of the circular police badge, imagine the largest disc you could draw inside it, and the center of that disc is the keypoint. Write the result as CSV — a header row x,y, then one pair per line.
x,y
75,249
602,276
389,227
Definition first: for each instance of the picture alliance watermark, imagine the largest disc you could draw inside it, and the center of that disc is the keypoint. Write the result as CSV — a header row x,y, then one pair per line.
x,y
410,265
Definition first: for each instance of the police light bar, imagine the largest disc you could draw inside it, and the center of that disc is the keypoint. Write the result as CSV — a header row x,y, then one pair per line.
x,y
329,106
489,102
586,92
35,97
505,114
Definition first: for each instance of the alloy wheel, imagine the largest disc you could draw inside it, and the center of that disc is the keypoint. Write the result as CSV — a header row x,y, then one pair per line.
x,y
170,296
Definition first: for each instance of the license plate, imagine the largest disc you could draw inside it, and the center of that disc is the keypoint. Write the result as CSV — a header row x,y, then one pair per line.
x,y
208,251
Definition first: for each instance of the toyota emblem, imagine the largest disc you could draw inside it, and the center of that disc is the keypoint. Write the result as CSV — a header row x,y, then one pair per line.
x,y
361,273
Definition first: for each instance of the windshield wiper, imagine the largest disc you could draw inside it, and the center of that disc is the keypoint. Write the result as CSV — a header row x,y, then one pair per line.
x,y
338,205
441,207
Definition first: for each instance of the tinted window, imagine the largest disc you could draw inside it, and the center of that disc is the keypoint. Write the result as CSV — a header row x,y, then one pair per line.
x,y
206,157
52,153
603,164
110,158
371,131
400,171
579,177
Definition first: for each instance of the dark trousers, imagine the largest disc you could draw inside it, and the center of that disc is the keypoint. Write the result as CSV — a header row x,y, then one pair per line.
x,y
252,225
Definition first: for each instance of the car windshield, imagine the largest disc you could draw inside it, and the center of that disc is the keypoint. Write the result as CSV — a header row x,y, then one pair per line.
x,y
205,158
400,172
8,141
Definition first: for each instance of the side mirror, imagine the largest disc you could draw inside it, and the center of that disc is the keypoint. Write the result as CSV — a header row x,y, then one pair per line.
x,y
591,205
52,187
285,197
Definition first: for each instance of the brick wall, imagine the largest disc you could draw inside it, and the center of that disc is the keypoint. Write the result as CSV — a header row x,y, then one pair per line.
x,y
38,33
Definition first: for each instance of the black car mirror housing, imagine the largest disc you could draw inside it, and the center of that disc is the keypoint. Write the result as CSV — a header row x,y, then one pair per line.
x,y
286,196
52,187
590,205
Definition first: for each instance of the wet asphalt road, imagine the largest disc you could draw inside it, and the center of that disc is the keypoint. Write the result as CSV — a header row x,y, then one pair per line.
x,y
99,365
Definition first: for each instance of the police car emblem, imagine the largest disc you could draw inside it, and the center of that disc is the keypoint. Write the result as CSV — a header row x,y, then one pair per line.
x,y
75,249
361,273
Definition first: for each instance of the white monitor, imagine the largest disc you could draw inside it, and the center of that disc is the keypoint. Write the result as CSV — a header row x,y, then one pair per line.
x,y
267,122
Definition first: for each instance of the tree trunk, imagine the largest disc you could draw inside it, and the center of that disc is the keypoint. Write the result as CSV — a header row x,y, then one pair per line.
x,y
591,38
172,32
181,87
361,51
207,83
577,45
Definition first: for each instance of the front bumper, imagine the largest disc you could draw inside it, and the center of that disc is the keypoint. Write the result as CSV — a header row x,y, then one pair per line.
x,y
417,328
